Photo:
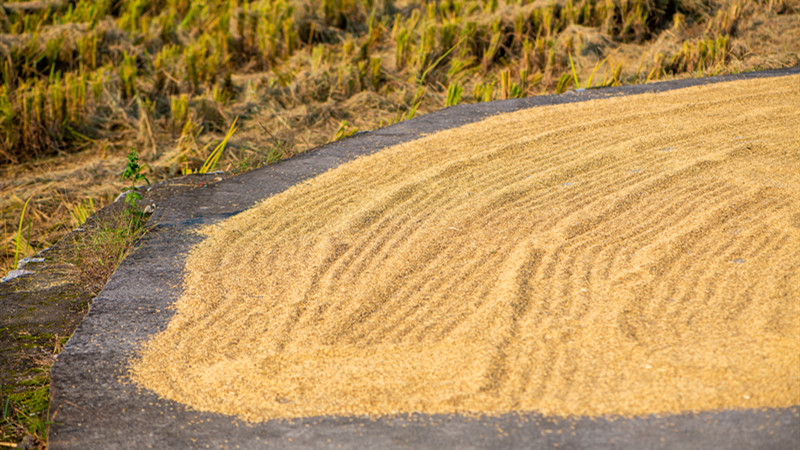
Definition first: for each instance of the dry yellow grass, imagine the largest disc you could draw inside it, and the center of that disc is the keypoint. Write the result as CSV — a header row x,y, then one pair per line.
x,y
627,256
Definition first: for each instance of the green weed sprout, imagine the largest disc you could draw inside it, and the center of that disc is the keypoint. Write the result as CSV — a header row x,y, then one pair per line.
x,y
133,171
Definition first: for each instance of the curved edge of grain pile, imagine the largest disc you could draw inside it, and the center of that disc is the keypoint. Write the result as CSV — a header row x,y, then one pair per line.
x,y
623,256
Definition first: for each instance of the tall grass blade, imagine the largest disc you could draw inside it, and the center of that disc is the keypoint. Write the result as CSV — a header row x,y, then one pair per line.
x,y
211,162
574,74
591,76
438,60
454,91
18,239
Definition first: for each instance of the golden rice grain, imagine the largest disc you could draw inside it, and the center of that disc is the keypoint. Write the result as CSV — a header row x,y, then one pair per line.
x,y
628,256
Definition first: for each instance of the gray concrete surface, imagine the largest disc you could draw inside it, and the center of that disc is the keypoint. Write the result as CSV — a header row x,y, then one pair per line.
x,y
95,407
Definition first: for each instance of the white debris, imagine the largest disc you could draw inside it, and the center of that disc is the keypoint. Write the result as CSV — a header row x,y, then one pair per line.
x,y
14,274
20,271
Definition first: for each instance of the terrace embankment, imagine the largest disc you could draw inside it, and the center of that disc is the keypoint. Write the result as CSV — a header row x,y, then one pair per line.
x,y
627,256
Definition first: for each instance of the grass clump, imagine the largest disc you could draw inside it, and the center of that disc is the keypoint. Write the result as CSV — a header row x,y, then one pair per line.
x,y
98,253
24,413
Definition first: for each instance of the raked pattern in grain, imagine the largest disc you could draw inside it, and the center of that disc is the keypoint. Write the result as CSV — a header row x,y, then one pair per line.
x,y
629,255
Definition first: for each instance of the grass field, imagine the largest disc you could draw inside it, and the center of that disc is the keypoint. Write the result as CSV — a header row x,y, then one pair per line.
x,y
84,81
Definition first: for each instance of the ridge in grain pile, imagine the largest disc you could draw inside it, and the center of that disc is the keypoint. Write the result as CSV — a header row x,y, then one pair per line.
x,y
629,256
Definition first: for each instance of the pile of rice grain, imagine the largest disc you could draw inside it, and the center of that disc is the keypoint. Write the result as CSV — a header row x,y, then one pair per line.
x,y
629,256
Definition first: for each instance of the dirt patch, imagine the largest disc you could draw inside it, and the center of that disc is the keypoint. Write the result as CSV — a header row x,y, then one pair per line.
x,y
623,256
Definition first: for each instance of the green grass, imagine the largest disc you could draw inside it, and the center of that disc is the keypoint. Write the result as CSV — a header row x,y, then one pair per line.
x,y
25,412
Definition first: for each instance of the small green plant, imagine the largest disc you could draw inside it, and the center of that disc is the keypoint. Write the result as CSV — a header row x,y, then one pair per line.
x,y
133,172
98,253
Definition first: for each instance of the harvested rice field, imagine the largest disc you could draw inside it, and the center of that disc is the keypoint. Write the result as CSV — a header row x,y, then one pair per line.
x,y
625,256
